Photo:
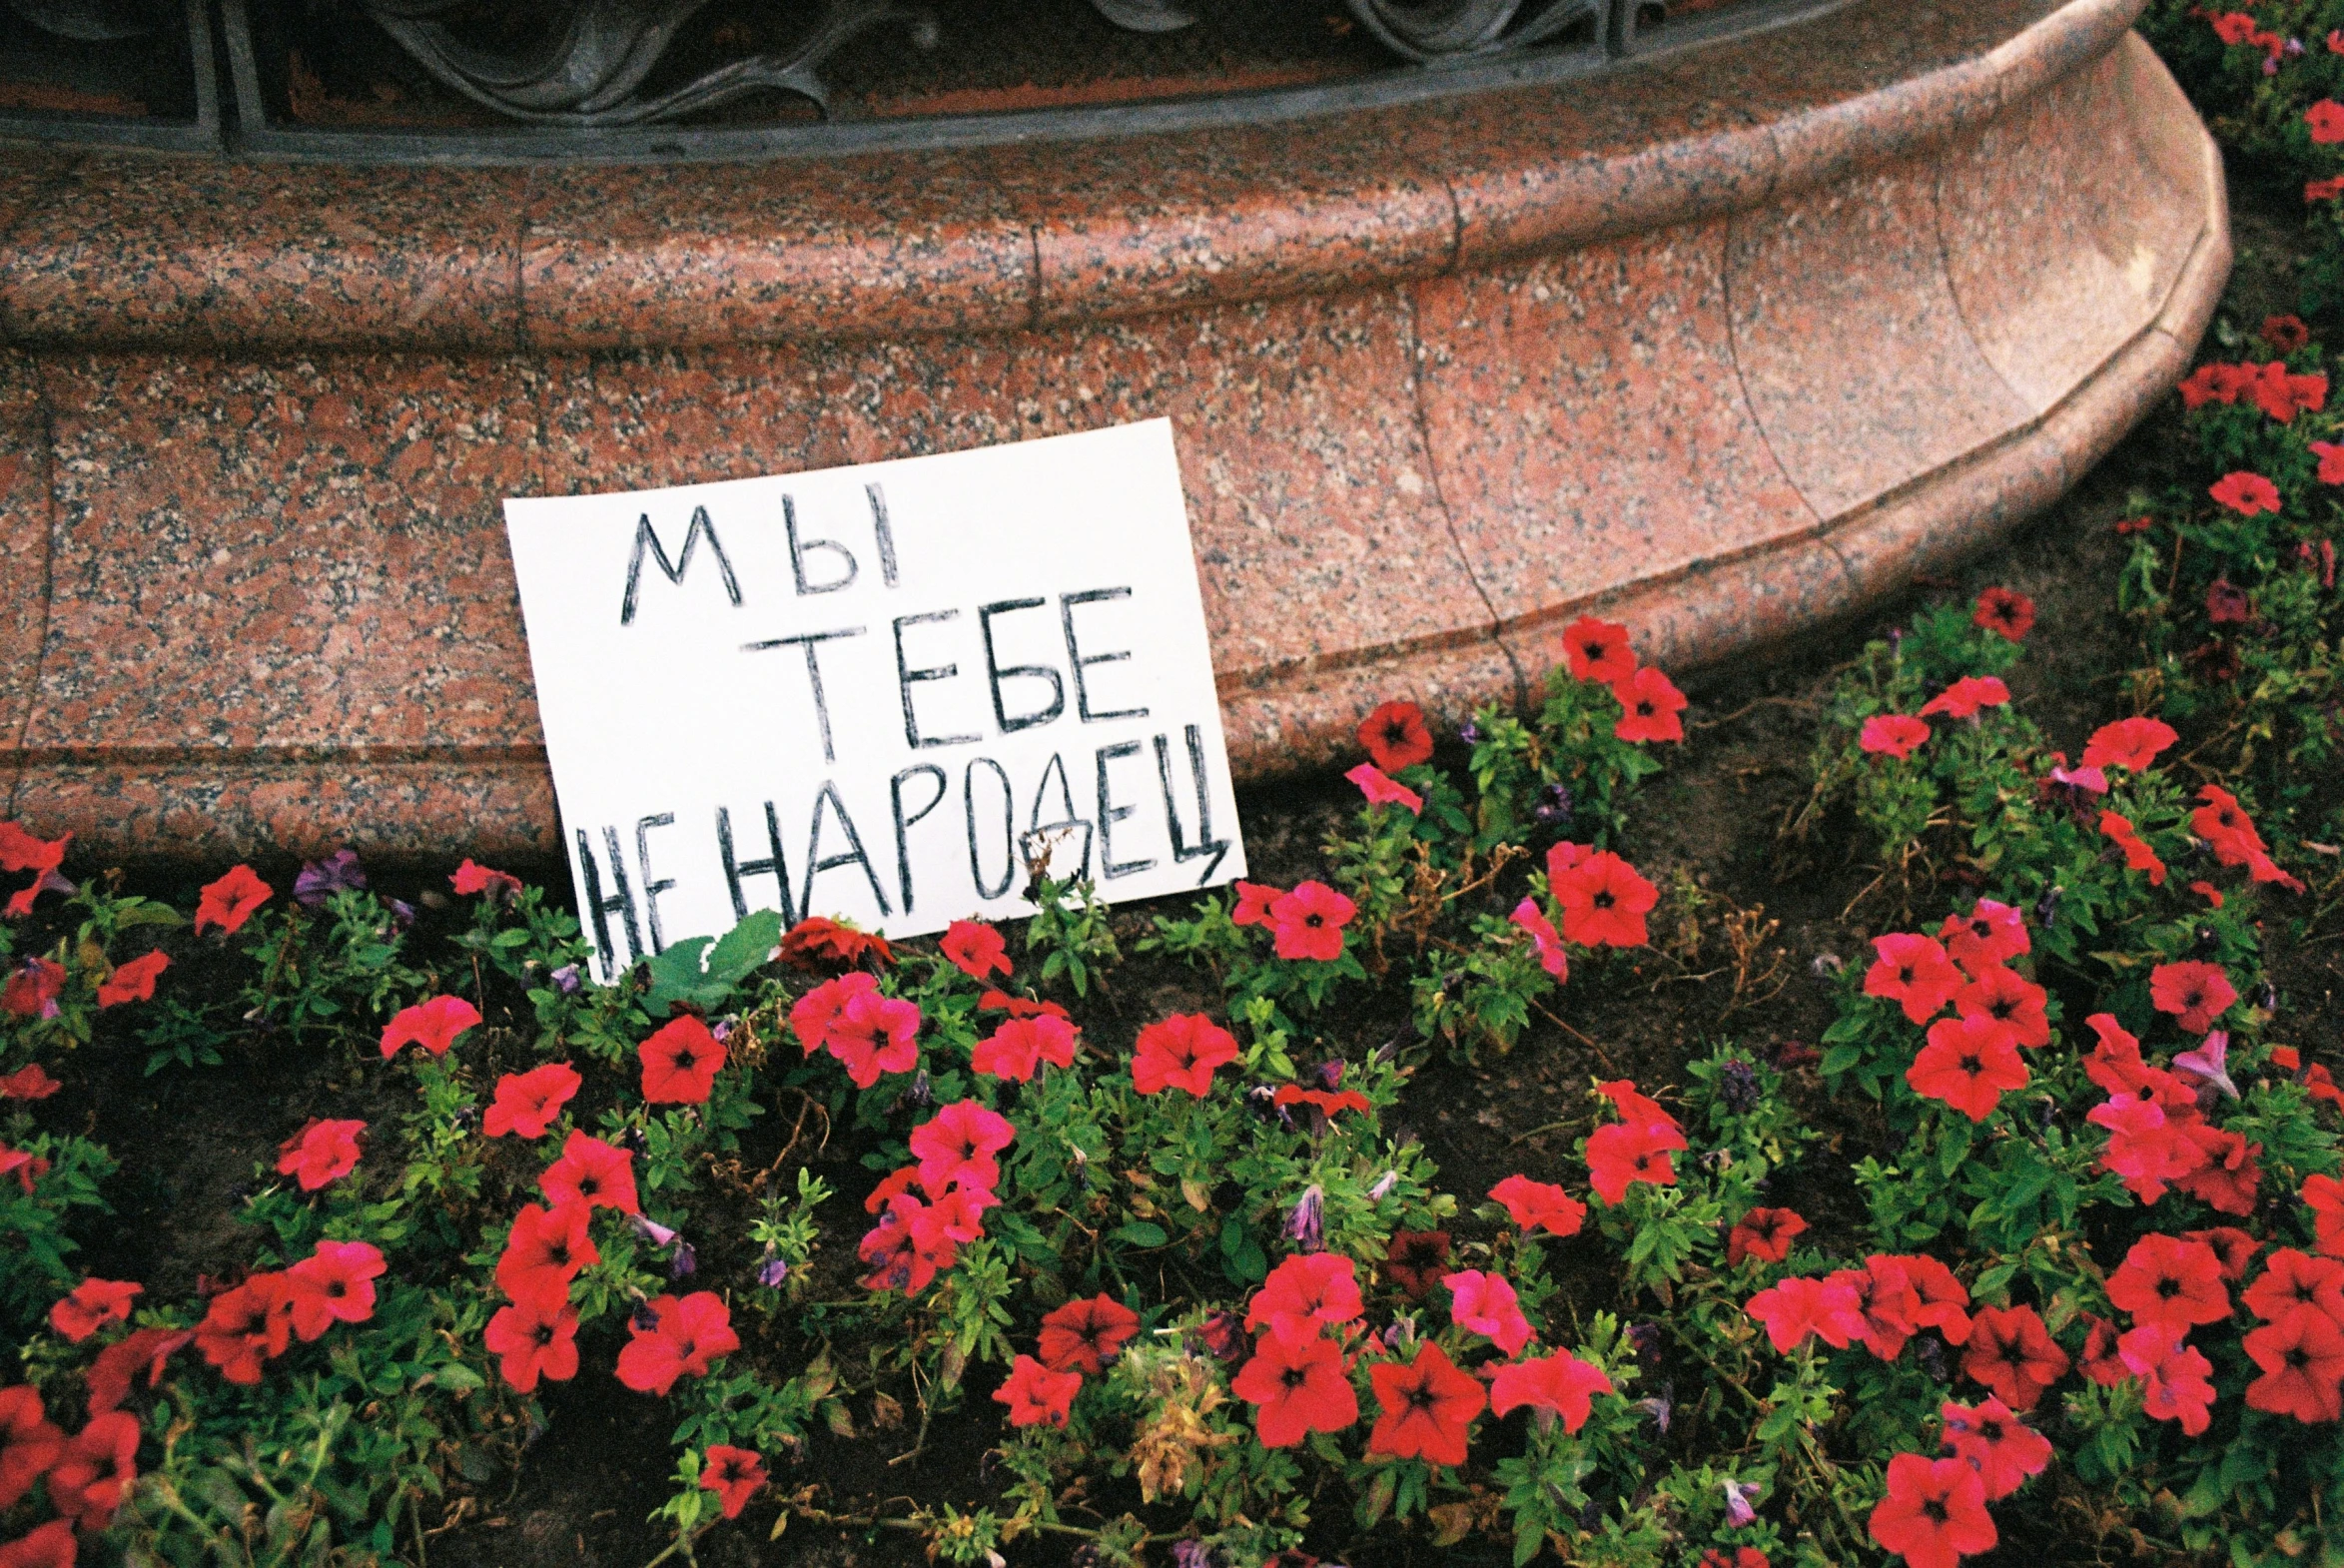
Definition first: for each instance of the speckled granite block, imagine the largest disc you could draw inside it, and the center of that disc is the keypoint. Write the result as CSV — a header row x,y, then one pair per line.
x,y
253,557
190,251
630,421
1588,425
758,252
24,542
1319,535
1857,366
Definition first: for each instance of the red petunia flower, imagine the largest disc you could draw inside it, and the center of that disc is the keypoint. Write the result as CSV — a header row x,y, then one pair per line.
x,y
910,1243
1383,790
1796,1309
1649,705
1304,1291
1968,1062
1325,1103
30,1082
1416,1260
2011,1352
1762,1233
2331,456
1940,1301
1598,650
2176,1383
246,1326
1540,1206
1018,1007
1935,1512
2226,1175
2295,1281
2137,855
819,939
958,1144
813,1014
1395,736
1893,735
1560,1382
22,1164
2223,823
1991,1438
91,1305
1966,696
1036,1395
2005,611
33,989
334,1285
2246,493
1604,901
543,1252
592,1173
1428,1407
1914,972
975,949
472,879
526,1104
687,1337
533,1340
95,1470
1297,1384
2128,743
2234,1250
1619,1155
2007,998
1544,938
230,902
1020,1045
107,1377
1181,1053
320,1154
1084,1336
2197,993
2164,1279
433,1025
1308,921
1991,934
132,982
2302,1360
873,1035
1254,901
2326,120
681,1061
47,1546
734,1474
29,1442
1485,1305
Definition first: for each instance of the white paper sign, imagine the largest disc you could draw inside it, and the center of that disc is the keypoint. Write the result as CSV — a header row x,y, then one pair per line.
x,y
873,692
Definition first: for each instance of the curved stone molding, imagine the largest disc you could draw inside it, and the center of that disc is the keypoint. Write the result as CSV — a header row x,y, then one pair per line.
x,y
1722,346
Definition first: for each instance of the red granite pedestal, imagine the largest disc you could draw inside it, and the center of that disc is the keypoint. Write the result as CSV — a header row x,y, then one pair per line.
x,y
1719,345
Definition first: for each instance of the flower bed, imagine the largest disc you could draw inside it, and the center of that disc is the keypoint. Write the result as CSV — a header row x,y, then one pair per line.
x,y
1497,1178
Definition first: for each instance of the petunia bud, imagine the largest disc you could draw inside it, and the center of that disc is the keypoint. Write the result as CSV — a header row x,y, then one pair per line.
x,y
724,1027
1383,1187
1930,1353
2267,997
1740,1496
1401,1333
1306,1226
1826,965
921,1093
1223,1334
1331,1073
1387,1053
680,1266
565,980
1660,1409
1646,1339
1470,733
643,1317
657,1234
772,1271
2047,908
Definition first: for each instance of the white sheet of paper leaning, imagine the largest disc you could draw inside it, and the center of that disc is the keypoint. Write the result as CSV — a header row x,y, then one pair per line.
x,y
876,692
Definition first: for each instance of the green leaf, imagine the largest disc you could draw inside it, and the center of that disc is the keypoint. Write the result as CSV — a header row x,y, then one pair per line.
x,y
704,970
1139,1232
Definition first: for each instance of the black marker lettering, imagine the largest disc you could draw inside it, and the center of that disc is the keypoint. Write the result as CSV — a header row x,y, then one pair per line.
x,y
885,532
905,678
1038,833
1081,660
1109,814
1009,849
800,550
601,908
776,866
808,640
647,539
903,824
1205,843
997,672
651,889
815,865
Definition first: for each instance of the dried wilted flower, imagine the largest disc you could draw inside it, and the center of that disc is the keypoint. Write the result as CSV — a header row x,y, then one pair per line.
x,y
1306,1226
